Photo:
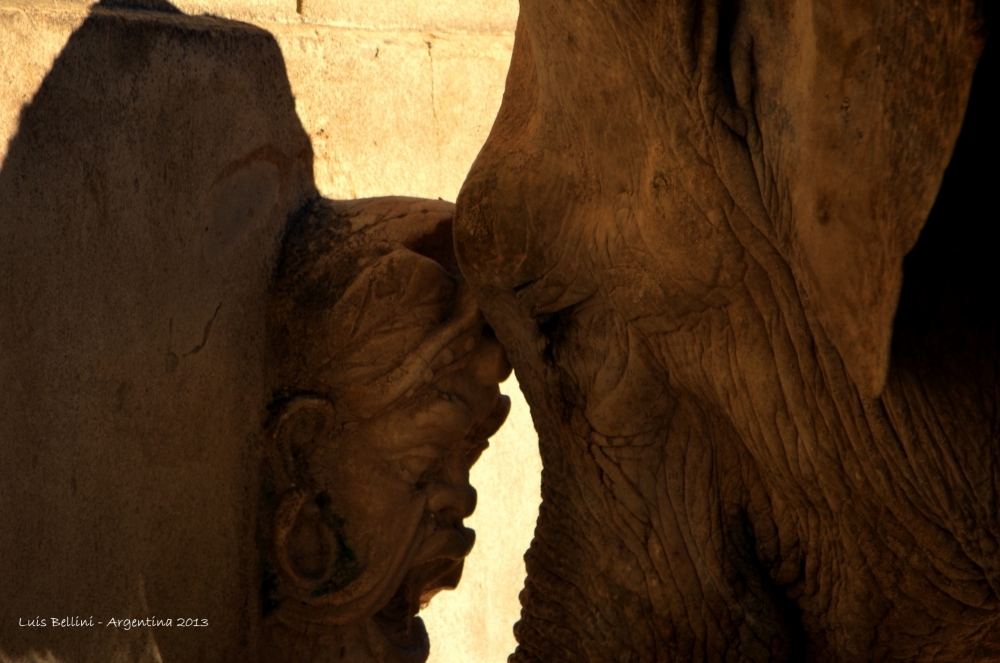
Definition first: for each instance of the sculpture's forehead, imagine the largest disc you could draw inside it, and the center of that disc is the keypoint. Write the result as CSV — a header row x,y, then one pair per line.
x,y
393,304
396,220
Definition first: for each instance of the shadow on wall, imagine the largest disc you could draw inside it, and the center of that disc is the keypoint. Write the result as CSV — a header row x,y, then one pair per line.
x,y
142,202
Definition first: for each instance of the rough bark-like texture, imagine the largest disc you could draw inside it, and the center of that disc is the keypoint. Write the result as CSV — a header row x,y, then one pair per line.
x,y
688,228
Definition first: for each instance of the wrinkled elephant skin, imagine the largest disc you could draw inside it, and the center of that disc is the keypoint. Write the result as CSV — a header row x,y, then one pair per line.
x,y
688,228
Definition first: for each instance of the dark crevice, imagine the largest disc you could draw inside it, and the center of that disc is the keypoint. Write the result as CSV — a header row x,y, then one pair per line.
x,y
549,323
525,285
552,327
205,333
728,13
781,630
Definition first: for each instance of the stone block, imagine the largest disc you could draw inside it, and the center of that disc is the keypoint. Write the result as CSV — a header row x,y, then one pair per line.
x,y
253,11
143,190
476,16
434,16
388,112
394,113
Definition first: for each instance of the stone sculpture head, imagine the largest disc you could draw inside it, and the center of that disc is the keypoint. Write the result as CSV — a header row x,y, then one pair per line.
x,y
386,393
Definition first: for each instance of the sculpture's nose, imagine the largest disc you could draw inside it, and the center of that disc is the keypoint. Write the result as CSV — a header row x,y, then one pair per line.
x,y
451,501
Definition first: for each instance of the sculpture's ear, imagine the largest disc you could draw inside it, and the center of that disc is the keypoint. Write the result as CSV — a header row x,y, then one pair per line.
x,y
303,544
859,120
304,423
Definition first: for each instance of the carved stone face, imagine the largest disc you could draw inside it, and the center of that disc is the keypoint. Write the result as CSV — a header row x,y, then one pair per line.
x,y
373,464
398,489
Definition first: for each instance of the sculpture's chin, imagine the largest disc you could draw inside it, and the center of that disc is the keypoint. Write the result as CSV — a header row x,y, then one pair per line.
x,y
400,636
401,640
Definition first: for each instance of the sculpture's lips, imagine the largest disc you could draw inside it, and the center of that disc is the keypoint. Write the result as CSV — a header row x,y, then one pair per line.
x,y
453,543
438,566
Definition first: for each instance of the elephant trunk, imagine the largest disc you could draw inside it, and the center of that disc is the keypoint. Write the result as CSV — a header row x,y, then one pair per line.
x,y
651,549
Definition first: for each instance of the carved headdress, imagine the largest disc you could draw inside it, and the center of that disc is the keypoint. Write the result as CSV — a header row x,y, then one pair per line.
x,y
368,273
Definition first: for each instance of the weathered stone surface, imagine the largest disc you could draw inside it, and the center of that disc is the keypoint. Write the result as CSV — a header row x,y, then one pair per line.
x,y
394,113
388,112
409,120
252,11
142,198
455,16
476,16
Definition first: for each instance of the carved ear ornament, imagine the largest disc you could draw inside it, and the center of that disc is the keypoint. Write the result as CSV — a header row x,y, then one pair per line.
x,y
311,550
330,581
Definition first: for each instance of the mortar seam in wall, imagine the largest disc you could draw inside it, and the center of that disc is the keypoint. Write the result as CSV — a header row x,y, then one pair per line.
x,y
426,29
58,9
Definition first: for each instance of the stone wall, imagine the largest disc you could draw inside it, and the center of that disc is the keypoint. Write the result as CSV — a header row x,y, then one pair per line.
x,y
393,97
397,97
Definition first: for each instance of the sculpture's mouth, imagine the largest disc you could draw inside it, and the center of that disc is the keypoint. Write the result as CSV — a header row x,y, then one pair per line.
x,y
398,623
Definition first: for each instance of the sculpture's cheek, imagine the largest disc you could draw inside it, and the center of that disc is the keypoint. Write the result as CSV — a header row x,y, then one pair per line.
x,y
376,509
